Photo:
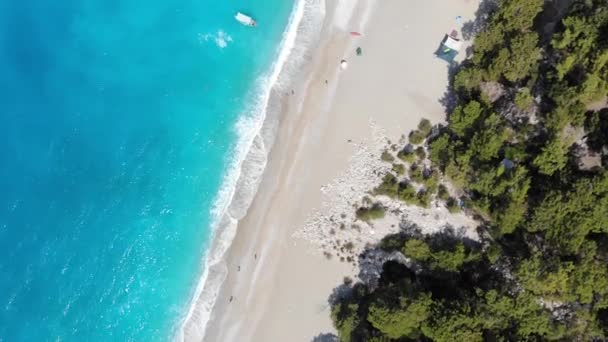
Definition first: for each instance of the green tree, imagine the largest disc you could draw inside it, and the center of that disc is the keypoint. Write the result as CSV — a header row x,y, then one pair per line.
x,y
553,157
403,321
441,150
487,142
540,271
486,41
454,324
519,60
345,318
463,118
523,99
519,15
417,249
468,79
452,260
567,218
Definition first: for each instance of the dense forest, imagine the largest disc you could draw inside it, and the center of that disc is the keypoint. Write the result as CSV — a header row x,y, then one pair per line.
x,y
527,144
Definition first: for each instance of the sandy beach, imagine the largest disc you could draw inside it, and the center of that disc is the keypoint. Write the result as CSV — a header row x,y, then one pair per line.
x,y
279,281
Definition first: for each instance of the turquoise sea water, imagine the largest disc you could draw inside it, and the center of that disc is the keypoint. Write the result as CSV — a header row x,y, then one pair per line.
x,y
116,127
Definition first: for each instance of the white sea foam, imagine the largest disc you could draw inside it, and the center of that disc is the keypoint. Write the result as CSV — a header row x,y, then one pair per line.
x,y
256,130
220,38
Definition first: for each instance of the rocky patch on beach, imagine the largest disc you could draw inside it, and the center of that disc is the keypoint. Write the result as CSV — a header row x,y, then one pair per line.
x,y
359,208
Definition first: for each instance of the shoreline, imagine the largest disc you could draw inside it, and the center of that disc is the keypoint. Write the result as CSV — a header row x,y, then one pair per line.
x,y
269,292
292,105
244,174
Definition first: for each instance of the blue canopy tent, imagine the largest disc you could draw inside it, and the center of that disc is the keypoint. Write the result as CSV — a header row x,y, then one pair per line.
x,y
449,47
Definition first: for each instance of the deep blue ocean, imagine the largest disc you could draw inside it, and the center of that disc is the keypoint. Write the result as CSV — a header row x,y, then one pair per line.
x,y
116,127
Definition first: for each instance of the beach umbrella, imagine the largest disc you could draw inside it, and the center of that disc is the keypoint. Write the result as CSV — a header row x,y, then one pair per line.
x,y
355,33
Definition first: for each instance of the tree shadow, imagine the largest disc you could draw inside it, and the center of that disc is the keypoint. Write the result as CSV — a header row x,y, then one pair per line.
x,y
550,18
339,293
327,337
472,27
449,100
386,273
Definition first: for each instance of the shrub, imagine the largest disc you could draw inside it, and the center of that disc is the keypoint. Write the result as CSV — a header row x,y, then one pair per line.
x,y
417,137
399,169
389,186
424,198
453,206
425,126
431,180
406,156
420,153
367,214
387,157
407,194
442,192
416,174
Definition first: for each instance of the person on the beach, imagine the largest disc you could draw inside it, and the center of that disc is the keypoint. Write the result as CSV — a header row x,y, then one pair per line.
x,y
343,64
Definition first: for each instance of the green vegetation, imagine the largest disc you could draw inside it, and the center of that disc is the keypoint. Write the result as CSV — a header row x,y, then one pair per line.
x,y
417,137
394,189
399,169
523,99
435,303
420,153
442,192
417,249
423,198
406,156
431,181
542,272
387,157
374,212
416,173
425,127
452,205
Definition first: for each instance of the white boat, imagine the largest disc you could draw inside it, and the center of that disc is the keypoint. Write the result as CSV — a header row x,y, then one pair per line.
x,y
244,19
